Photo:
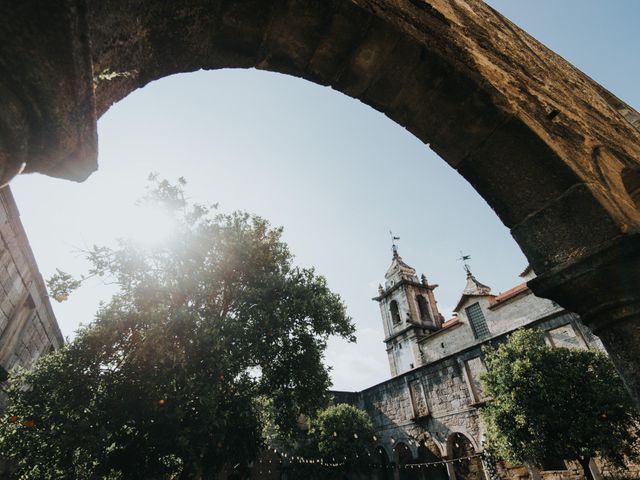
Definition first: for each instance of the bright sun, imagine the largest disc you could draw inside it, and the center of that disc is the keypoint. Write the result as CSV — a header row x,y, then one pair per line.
x,y
149,225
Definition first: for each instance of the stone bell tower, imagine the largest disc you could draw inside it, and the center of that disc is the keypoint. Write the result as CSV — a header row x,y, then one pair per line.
x,y
409,312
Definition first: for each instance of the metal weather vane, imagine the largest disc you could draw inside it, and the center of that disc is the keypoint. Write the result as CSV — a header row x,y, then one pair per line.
x,y
394,247
463,258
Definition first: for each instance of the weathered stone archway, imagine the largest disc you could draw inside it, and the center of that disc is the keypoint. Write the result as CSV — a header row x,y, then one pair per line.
x,y
403,459
429,452
464,466
548,148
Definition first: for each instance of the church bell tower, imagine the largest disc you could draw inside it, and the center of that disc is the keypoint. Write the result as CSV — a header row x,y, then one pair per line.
x,y
409,313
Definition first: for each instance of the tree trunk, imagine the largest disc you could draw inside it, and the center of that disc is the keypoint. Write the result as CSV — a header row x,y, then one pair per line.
x,y
584,463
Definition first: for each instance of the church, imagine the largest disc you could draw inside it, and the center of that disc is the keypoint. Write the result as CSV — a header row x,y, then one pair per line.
x,y
426,416
428,411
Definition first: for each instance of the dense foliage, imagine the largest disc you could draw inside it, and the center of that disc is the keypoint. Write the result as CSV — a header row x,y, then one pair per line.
x,y
166,382
339,439
556,402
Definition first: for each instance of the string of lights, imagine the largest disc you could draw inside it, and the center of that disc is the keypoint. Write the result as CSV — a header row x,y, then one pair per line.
x,y
335,463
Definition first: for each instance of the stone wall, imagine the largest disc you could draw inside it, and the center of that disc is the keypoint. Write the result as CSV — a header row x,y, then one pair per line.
x,y
28,327
433,399
502,318
440,401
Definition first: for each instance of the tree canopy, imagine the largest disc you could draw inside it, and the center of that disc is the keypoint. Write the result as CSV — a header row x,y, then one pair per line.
x,y
166,382
556,402
339,439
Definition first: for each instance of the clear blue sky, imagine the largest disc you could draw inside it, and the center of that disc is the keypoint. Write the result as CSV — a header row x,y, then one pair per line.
x,y
335,173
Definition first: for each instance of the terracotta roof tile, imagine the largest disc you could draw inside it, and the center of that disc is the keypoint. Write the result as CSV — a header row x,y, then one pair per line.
x,y
512,292
451,322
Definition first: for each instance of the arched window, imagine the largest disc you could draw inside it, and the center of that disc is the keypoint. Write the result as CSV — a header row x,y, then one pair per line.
x,y
395,313
423,308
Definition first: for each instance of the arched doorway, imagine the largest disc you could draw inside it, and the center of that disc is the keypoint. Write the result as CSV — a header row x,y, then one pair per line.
x,y
428,452
466,465
547,155
404,460
381,460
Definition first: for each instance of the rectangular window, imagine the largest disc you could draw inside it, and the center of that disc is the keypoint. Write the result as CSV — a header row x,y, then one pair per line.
x,y
477,321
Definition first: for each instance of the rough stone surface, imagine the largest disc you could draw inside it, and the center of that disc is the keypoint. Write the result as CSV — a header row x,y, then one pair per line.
x,y
552,152
28,327
47,112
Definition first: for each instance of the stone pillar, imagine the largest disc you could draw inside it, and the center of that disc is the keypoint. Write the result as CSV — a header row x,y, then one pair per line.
x,y
622,341
604,288
451,471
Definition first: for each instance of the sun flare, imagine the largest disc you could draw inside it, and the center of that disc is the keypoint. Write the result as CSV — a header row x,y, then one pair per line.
x,y
149,226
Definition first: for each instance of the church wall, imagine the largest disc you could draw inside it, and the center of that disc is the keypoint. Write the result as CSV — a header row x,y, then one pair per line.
x,y
28,327
441,397
446,396
520,311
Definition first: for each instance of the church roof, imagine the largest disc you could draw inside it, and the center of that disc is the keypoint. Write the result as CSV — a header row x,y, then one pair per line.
x,y
509,294
398,271
526,271
473,288
399,266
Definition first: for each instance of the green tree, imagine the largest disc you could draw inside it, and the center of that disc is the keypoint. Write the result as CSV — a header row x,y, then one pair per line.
x,y
556,402
167,380
339,435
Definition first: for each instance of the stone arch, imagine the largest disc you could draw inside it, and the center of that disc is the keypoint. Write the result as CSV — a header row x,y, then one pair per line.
x,y
525,129
459,448
430,452
423,308
395,312
631,181
459,431
381,459
403,458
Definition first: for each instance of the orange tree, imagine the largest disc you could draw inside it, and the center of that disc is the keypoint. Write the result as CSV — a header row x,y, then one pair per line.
x,y
556,402
166,381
